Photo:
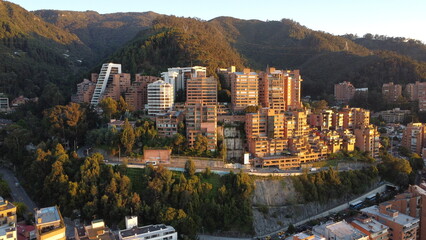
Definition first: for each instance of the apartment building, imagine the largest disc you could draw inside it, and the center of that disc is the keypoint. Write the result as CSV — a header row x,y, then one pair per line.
x,y
244,89
272,88
116,86
84,92
391,92
344,92
395,115
49,224
401,226
105,77
293,89
368,139
7,220
4,103
167,124
417,92
414,137
160,97
372,228
354,118
266,133
178,77
201,110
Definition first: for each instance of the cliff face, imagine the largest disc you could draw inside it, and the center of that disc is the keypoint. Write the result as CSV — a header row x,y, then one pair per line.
x,y
276,205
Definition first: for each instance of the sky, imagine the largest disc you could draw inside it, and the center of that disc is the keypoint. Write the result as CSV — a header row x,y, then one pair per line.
x,y
394,18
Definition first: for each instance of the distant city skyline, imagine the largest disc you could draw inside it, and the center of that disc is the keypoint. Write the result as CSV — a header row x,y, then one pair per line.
x,y
393,18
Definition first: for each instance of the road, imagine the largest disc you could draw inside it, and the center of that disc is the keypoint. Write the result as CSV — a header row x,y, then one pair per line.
x,y
17,192
334,210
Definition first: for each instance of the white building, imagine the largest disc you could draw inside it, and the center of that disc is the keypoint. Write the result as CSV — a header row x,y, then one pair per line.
x,y
152,232
105,76
160,97
178,76
339,231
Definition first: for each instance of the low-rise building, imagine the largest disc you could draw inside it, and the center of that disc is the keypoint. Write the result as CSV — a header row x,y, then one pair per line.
x,y
152,232
395,115
49,224
7,220
374,229
339,231
307,236
95,231
167,124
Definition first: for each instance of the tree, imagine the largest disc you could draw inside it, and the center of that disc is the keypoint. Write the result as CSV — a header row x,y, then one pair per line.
x,y
127,137
251,109
189,168
200,144
21,209
109,107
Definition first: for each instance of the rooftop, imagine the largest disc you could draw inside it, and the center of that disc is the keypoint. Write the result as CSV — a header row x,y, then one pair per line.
x,y
344,230
47,215
145,230
370,224
400,218
5,229
5,205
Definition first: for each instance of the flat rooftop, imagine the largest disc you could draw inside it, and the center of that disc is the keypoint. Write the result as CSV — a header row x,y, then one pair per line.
x,y
145,230
401,219
370,224
47,215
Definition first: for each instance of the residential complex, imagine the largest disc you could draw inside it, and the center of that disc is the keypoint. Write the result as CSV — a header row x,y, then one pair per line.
x,y
49,224
160,97
344,92
391,92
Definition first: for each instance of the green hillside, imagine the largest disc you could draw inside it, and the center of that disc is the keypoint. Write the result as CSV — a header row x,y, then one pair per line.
x,y
33,52
102,33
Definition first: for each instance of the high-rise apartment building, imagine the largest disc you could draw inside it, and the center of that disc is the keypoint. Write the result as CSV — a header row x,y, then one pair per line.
x,y
105,76
178,77
160,97
293,90
391,92
354,117
367,138
49,224
414,137
272,89
118,85
244,89
344,92
201,110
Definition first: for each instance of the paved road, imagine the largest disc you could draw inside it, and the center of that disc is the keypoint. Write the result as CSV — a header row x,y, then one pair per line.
x,y
17,192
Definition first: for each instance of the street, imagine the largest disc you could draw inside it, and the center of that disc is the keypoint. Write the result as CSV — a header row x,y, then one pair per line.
x,y
17,192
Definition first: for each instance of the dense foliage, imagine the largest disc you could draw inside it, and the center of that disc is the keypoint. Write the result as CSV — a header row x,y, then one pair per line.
x,y
331,184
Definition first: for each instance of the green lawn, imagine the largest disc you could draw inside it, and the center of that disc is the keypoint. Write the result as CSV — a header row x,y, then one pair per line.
x,y
134,175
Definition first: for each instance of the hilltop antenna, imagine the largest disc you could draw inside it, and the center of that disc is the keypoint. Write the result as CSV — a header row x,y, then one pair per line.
x,y
346,46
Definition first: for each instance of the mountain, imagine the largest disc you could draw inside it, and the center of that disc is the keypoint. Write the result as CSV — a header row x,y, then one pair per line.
x,y
50,46
102,33
34,52
324,59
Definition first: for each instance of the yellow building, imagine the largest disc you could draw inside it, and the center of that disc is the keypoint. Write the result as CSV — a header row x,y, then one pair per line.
x,y
49,224
368,139
7,220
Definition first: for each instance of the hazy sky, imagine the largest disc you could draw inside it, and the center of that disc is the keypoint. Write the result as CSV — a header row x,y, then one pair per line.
x,y
397,18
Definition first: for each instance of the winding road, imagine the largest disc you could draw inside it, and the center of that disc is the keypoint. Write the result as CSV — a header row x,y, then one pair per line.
x,y
17,192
